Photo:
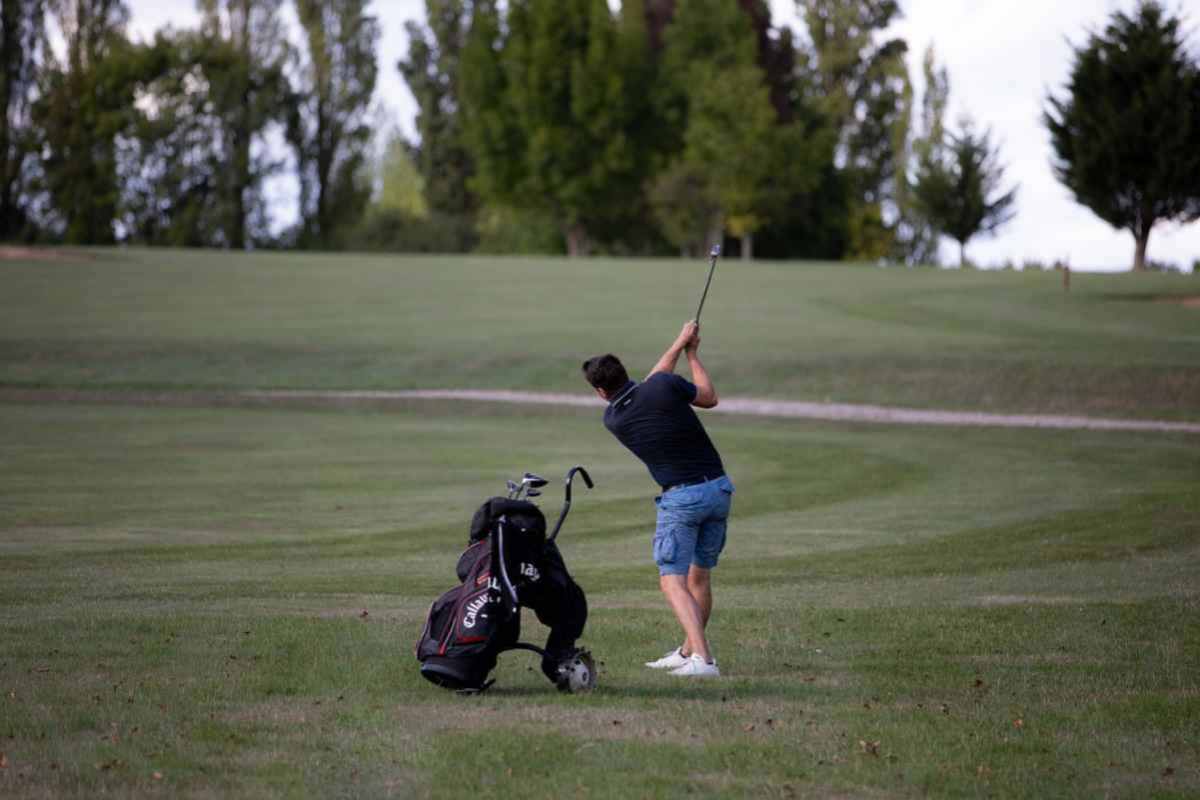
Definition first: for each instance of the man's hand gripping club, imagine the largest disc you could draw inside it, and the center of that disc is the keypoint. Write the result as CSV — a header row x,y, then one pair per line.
x,y
688,341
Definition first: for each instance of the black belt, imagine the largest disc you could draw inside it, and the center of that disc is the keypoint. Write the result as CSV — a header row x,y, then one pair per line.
x,y
696,482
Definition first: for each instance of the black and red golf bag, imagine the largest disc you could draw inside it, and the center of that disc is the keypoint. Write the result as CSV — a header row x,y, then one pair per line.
x,y
509,563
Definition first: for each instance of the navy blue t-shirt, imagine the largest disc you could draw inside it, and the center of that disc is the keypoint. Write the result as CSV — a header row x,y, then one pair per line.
x,y
655,420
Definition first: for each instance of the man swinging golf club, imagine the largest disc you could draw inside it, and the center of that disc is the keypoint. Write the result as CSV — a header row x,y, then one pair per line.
x,y
655,420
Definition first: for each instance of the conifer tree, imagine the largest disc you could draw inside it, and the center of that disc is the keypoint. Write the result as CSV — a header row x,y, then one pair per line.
x,y
1125,132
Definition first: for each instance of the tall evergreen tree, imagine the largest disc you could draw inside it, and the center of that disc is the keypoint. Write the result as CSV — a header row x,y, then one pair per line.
x,y
84,103
490,129
753,154
959,190
22,39
866,94
546,107
731,139
327,125
431,69
917,239
244,56
1125,132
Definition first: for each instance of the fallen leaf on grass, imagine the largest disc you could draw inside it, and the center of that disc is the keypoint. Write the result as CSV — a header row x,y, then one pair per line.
x,y
870,748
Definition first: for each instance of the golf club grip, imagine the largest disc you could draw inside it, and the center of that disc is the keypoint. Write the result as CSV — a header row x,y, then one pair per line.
x,y
567,496
583,473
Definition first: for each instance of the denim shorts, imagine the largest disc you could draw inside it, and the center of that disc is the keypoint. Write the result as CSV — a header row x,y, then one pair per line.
x,y
691,526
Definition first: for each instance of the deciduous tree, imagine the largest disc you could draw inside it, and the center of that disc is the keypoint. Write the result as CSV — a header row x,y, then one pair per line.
x,y
431,69
243,60
22,41
85,101
328,124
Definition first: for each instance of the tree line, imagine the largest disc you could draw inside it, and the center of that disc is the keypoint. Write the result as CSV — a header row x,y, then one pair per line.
x,y
106,140
560,126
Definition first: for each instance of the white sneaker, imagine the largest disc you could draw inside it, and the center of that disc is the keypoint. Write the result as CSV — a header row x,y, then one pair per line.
x,y
671,660
697,667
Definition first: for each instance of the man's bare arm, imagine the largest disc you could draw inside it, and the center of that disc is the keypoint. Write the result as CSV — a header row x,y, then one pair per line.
x,y
671,357
706,393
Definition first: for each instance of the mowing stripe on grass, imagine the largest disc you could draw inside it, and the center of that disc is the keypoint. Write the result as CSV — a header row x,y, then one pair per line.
x,y
831,412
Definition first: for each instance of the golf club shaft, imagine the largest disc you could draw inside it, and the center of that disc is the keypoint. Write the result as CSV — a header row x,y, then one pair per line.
x,y
712,266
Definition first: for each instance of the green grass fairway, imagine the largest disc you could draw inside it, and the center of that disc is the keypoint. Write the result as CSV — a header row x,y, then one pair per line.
x,y
925,338
902,611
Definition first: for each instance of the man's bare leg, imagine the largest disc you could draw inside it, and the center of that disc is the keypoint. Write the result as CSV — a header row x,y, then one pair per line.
x,y
699,586
687,611
699,583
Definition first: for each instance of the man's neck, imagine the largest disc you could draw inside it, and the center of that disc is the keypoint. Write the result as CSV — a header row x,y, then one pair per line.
x,y
626,389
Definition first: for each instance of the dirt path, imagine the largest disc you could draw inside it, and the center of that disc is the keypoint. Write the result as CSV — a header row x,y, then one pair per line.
x,y
835,412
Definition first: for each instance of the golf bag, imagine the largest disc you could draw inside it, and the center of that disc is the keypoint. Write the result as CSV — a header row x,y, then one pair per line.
x,y
509,563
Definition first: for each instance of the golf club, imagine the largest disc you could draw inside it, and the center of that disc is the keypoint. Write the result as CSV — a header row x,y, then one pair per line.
x,y
716,251
567,496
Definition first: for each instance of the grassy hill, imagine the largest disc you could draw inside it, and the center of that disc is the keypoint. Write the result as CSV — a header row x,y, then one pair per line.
x,y
201,602
805,331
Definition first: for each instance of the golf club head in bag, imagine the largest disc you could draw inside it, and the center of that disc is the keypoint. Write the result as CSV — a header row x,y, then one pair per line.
x,y
576,672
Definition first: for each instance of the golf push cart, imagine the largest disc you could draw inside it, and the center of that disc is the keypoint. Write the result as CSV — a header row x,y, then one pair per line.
x,y
509,563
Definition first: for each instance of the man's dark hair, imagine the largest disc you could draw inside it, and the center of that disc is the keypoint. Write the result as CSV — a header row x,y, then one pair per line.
x,y
606,372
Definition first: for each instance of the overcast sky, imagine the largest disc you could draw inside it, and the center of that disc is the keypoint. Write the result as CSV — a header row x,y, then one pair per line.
x,y
1003,56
